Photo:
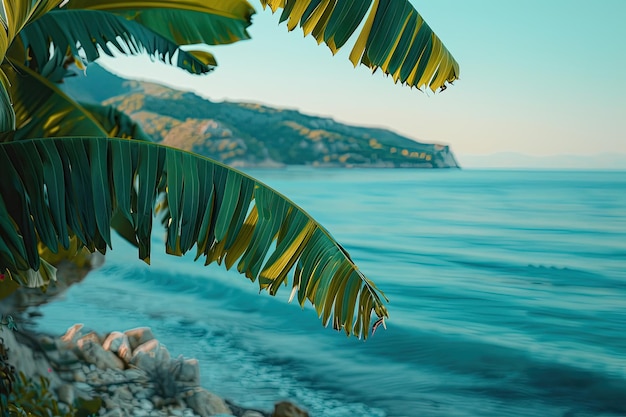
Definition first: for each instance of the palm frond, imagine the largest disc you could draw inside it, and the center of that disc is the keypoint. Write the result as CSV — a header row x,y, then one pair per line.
x,y
117,124
66,31
188,22
43,110
15,15
7,115
394,37
51,188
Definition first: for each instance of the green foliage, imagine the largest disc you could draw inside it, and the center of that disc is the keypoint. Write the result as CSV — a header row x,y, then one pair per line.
x,y
393,37
55,189
7,321
163,380
252,134
20,396
33,398
7,380
229,218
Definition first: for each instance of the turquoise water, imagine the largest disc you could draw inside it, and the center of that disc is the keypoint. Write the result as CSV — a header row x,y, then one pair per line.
x,y
507,289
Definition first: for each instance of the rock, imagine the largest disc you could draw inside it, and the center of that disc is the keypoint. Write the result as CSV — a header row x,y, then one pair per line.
x,y
151,357
47,342
189,371
287,409
82,386
115,412
65,393
205,404
134,375
63,357
251,413
151,346
93,353
72,334
146,405
176,412
79,376
124,394
139,336
188,412
110,403
89,337
118,343
158,401
24,359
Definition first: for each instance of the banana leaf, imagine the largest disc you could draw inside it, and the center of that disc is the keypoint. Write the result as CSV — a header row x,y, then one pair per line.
x,y
393,37
42,109
66,30
211,22
55,188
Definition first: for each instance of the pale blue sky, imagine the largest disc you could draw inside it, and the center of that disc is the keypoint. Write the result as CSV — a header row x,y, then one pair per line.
x,y
539,77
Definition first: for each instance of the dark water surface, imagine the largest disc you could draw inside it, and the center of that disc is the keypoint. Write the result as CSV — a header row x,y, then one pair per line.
x,y
507,289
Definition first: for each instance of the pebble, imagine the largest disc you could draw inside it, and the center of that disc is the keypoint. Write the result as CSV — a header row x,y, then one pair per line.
x,y
131,392
146,404
82,386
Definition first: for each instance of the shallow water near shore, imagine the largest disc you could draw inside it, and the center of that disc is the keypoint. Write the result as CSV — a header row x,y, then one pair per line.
x,y
507,289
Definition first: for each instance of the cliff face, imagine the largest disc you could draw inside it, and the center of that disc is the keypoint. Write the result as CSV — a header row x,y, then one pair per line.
x,y
246,134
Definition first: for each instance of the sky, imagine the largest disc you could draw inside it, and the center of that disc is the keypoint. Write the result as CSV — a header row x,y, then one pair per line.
x,y
537,77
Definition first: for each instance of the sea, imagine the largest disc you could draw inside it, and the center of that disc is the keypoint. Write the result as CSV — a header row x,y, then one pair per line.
x,y
507,297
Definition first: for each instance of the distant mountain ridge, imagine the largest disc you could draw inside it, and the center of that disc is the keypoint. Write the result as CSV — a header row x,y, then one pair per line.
x,y
248,134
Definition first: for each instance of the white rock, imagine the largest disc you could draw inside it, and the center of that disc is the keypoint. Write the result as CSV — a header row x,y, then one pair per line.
x,y
151,356
72,334
139,336
251,413
118,343
205,404
89,337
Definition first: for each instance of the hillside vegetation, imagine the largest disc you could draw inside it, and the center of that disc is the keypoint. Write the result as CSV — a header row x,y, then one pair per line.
x,y
247,134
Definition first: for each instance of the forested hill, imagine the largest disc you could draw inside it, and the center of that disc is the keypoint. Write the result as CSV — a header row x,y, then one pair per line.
x,y
246,134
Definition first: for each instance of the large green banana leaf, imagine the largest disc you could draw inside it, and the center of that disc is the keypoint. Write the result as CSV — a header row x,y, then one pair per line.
x,y
184,22
43,110
393,38
116,123
65,30
53,188
14,15
173,22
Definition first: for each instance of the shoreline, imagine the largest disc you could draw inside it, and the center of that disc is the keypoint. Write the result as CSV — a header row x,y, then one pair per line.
x,y
117,374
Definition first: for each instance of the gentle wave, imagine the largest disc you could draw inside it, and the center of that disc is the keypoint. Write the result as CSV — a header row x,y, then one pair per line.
x,y
507,298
